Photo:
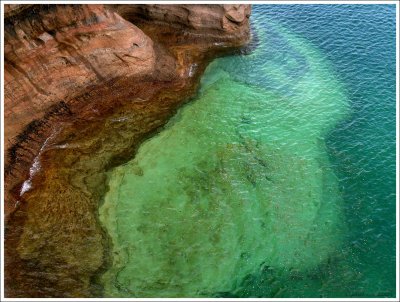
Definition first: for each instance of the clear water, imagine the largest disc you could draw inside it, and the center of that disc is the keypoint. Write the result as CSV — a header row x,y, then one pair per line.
x,y
278,180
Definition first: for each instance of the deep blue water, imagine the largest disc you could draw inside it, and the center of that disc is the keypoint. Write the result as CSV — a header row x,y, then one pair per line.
x,y
360,43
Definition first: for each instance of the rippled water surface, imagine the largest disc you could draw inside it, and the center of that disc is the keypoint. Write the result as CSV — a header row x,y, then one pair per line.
x,y
278,179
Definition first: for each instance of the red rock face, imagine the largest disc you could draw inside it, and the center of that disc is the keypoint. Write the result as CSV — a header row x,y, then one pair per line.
x,y
72,74
62,50
225,21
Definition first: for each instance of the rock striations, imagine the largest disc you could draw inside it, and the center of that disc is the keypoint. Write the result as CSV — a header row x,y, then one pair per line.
x,y
84,85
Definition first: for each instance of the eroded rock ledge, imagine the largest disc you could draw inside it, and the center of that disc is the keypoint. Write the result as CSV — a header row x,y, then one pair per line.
x,y
84,85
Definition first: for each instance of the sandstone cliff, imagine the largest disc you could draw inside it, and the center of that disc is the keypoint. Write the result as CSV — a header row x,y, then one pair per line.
x,y
84,85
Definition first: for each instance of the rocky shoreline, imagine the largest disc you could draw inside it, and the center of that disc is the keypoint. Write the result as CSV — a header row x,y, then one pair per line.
x,y
84,86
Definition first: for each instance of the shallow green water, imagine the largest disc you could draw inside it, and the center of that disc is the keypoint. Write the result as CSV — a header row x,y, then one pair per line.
x,y
239,179
238,196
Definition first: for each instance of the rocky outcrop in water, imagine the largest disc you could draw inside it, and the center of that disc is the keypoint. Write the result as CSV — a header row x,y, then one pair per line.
x,y
84,85
54,52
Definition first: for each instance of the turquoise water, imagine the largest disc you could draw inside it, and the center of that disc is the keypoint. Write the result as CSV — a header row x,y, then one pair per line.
x,y
278,179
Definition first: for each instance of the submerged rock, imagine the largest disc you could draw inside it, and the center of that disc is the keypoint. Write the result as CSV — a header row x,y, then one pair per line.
x,y
83,87
239,182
